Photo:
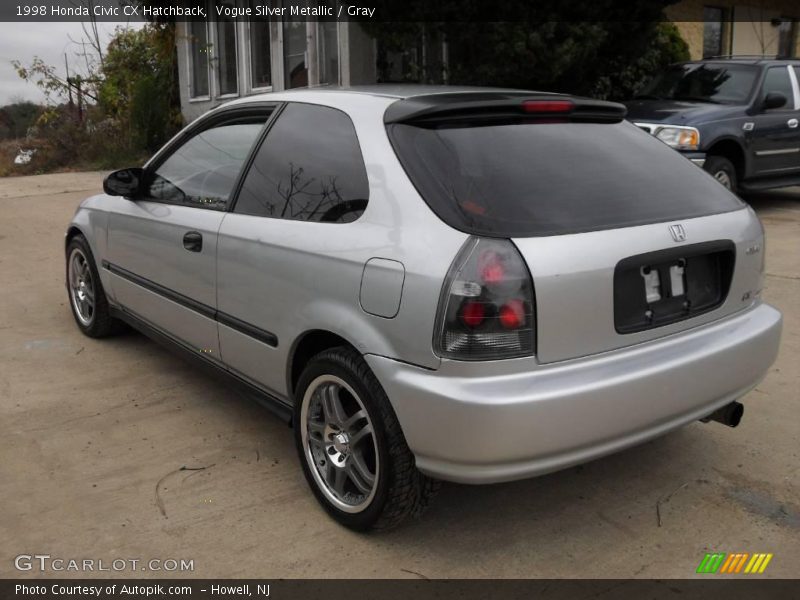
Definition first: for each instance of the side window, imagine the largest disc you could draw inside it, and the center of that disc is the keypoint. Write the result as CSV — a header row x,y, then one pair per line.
x,y
777,80
203,171
308,169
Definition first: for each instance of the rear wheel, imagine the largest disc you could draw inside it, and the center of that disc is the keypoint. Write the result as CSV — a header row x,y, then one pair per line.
x,y
353,452
86,296
722,170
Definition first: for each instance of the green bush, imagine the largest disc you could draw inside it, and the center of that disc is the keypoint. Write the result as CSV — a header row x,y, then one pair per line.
x,y
139,88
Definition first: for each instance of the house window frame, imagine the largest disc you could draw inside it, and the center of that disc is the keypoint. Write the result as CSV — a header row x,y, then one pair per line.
x,y
248,47
793,35
321,55
190,60
217,75
283,49
724,15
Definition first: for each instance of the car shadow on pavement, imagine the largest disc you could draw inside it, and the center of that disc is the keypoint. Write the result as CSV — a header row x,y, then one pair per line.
x,y
786,198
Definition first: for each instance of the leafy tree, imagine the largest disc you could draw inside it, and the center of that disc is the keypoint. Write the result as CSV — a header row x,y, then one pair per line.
x,y
601,48
128,104
139,87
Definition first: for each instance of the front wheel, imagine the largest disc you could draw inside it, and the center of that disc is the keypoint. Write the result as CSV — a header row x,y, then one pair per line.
x,y
722,170
87,299
353,452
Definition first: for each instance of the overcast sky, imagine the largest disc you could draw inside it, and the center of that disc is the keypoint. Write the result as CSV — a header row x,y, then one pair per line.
x,y
49,41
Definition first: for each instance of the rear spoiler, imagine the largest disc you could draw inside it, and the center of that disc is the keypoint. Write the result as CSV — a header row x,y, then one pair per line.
x,y
471,106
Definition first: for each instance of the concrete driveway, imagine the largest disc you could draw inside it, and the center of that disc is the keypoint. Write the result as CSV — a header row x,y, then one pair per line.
x,y
94,434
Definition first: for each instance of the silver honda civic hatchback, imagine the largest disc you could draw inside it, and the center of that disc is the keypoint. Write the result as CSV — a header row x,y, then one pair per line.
x,y
461,284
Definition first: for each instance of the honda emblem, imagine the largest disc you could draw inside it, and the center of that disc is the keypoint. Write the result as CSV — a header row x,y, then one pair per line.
x,y
678,233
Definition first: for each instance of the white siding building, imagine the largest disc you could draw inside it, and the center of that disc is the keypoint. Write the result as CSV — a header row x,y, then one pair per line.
x,y
226,59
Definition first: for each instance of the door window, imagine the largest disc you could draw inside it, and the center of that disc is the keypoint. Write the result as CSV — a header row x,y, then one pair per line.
x,y
308,169
777,80
203,171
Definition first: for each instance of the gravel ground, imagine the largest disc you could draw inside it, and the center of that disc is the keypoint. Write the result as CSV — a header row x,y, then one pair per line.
x,y
94,434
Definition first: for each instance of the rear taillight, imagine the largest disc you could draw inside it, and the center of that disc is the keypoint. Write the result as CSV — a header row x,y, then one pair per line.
x,y
486,311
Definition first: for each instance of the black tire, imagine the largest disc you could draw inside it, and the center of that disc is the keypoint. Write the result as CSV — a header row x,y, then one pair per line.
x,y
101,324
721,169
401,491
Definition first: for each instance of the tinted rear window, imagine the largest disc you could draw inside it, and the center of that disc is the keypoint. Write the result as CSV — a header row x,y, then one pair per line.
x,y
536,179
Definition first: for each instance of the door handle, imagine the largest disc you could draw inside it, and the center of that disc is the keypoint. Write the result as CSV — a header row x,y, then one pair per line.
x,y
193,241
792,123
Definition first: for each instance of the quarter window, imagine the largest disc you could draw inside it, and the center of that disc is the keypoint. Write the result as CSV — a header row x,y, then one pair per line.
x,y
308,169
203,171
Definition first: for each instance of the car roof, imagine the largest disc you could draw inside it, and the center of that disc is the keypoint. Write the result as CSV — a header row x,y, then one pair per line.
x,y
401,103
398,91
378,97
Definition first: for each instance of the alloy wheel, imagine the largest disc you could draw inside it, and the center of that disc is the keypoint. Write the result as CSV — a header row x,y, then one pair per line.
x,y
81,287
339,443
723,178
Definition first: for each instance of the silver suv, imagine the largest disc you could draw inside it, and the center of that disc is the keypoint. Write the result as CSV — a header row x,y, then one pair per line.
x,y
457,284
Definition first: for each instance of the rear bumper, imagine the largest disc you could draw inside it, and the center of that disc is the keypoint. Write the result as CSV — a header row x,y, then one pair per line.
x,y
506,420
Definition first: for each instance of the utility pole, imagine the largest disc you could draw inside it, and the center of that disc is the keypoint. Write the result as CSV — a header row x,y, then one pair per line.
x,y
69,84
78,85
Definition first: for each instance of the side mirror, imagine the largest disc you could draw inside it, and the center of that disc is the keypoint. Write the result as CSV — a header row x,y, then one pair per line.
x,y
125,182
774,100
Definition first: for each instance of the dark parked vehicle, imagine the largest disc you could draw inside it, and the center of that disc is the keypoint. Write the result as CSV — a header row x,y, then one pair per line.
x,y
736,117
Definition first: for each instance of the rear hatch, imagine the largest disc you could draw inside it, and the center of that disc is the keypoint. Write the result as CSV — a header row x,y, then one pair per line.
x,y
626,241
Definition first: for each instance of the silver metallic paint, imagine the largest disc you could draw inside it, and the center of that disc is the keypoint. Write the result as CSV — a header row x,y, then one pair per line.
x,y
573,279
382,287
589,391
506,420
146,238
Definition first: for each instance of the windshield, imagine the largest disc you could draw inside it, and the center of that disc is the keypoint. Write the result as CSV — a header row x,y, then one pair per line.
x,y
534,179
716,83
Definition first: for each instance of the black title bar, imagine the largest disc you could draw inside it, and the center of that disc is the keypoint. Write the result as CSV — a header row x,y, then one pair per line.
x,y
37,11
